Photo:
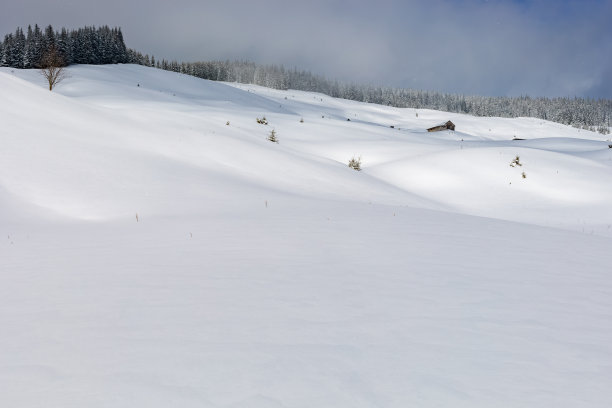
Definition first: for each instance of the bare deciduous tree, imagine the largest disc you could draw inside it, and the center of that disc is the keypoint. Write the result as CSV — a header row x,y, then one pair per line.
x,y
52,67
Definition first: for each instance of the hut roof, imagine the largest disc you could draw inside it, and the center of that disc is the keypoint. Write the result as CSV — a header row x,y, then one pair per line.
x,y
444,125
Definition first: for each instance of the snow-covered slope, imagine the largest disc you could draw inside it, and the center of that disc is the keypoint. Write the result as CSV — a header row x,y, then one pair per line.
x,y
153,255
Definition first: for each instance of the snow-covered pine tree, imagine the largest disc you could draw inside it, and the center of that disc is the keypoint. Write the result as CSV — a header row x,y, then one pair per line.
x,y
18,48
63,46
27,51
37,47
272,137
49,39
6,58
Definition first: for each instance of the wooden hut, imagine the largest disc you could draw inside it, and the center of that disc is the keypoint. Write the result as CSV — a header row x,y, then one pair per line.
x,y
443,126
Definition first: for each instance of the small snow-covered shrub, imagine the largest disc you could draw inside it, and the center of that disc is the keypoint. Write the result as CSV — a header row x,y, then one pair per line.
x,y
516,162
355,163
262,121
272,137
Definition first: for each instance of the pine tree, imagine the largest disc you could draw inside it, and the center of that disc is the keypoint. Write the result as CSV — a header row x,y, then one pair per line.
x,y
18,48
49,39
37,47
7,55
120,47
4,58
27,51
63,47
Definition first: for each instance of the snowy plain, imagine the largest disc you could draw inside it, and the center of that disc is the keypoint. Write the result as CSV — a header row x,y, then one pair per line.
x,y
153,255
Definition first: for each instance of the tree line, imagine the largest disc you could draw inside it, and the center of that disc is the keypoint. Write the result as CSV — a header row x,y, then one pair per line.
x,y
103,45
587,113
87,45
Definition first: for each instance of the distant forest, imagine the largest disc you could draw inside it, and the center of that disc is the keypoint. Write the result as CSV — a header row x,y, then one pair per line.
x,y
104,45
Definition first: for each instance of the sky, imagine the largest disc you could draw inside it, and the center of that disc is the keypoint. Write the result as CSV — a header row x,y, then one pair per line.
x,y
474,47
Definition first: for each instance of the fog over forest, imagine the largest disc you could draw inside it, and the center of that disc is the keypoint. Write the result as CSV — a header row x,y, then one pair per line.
x,y
104,45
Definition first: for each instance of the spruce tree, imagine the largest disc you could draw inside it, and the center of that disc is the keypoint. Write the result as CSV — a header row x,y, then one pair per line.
x,y
49,39
18,48
7,52
37,48
2,53
27,51
63,47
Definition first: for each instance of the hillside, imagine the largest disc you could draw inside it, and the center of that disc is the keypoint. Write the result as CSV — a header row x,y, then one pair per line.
x,y
153,255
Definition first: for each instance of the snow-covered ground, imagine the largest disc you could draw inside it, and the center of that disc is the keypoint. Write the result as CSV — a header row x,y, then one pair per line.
x,y
151,255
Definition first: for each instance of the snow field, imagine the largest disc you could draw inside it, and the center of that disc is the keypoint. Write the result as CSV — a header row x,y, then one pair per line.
x,y
272,275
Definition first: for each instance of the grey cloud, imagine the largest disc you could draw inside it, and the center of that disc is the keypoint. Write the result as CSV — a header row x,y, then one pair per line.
x,y
536,47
